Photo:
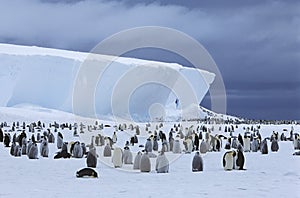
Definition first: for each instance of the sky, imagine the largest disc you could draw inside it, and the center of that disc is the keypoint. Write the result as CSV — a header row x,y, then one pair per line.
x,y
255,43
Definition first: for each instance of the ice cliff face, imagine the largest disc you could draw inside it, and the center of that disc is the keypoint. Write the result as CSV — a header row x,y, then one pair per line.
x,y
126,88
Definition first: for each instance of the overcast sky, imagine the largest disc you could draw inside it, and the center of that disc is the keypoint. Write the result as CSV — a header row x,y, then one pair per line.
x,y
255,43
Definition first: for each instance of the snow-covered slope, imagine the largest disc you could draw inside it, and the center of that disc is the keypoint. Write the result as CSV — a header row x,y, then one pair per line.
x,y
126,88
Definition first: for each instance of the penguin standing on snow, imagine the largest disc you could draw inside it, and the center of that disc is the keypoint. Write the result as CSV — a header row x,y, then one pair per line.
x,y
189,145
247,142
203,147
296,141
228,160
44,148
24,147
197,164
6,140
114,138
33,152
176,146
145,164
255,144
51,138
83,148
240,139
162,163
137,161
264,147
107,151
148,145
91,160
18,151
12,148
117,157
240,161
77,150
274,145
60,140
155,144
234,143
196,142
127,156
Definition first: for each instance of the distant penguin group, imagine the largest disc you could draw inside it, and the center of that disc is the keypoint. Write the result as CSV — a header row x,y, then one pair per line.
x,y
156,149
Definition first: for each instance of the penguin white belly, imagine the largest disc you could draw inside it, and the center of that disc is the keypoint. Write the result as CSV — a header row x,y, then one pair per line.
x,y
228,162
117,157
247,144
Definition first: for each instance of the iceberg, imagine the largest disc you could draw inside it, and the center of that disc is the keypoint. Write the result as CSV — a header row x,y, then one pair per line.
x,y
98,85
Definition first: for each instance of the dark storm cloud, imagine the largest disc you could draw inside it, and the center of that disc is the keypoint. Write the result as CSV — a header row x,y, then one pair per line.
x,y
255,43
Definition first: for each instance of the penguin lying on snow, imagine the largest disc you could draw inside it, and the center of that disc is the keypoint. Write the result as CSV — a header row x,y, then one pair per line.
x,y
87,172
297,153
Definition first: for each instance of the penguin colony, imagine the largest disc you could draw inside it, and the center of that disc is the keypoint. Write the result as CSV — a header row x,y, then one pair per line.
x,y
33,140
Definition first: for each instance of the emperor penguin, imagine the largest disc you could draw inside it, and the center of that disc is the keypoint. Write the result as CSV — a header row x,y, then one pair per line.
x,y
24,148
148,145
240,160
6,140
51,138
189,145
246,143
117,157
44,148
176,146
18,151
145,164
274,145
296,141
77,150
33,152
155,144
127,156
12,148
83,148
114,138
38,137
91,159
255,144
264,147
162,163
165,145
137,161
197,164
87,172
203,147
171,143
107,151
234,143
60,140
228,160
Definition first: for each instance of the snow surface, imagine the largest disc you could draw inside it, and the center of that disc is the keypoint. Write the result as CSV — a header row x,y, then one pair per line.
x,y
127,88
272,175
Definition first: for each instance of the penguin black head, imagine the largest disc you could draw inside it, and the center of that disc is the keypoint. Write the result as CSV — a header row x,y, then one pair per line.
x,y
233,153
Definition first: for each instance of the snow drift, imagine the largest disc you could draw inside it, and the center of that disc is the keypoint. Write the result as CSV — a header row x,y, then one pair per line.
x,y
126,87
